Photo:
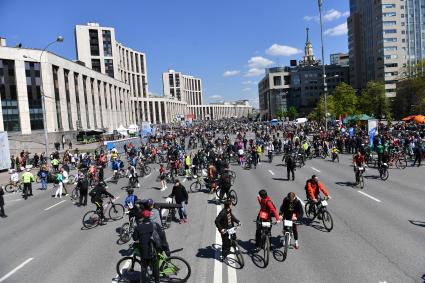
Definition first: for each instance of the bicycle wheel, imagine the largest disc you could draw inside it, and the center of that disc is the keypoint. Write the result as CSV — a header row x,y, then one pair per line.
x,y
233,197
310,210
147,170
286,245
75,194
129,268
116,211
9,188
401,163
125,232
71,179
328,223
91,219
217,193
266,251
175,269
196,186
238,254
384,174
361,182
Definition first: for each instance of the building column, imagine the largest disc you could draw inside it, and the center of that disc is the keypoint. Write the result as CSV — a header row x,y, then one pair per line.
x,y
72,98
62,95
22,97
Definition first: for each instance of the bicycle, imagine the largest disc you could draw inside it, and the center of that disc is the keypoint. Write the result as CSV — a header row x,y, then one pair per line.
x,y
75,194
127,230
145,170
287,235
175,269
265,239
383,171
234,243
93,217
319,210
231,195
198,184
11,188
359,177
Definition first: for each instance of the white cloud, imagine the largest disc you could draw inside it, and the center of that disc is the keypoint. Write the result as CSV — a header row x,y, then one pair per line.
x,y
249,83
282,50
258,62
254,102
254,72
216,97
246,89
338,30
329,16
231,73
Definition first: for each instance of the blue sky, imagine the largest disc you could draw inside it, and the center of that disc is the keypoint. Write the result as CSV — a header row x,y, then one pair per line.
x,y
227,43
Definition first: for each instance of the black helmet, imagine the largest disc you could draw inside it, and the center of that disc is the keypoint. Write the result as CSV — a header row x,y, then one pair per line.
x,y
263,194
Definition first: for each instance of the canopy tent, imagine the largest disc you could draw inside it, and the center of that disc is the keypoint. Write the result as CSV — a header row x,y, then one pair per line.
x,y
121,130
133,128
360,117
409,118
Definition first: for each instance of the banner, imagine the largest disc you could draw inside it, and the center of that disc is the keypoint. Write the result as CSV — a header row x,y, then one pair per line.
x,y
371,136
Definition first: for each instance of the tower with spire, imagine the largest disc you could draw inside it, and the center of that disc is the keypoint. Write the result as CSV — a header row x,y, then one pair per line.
x,y
308,58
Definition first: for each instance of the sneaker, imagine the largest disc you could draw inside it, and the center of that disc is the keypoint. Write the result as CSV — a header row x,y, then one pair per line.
x,y
163,189
181,221
3,216
138,185
296,246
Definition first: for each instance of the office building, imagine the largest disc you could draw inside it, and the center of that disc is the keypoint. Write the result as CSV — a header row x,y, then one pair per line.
x,y
385,40
177,86
341,59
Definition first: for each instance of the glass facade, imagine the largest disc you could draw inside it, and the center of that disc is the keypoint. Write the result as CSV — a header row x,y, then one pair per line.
x,y
9,96
32,74
107,44
95,65
109,67
415,28
57,98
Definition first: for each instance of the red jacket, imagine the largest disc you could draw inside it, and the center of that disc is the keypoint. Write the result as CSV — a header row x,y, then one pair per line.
x,y
313,190
267,207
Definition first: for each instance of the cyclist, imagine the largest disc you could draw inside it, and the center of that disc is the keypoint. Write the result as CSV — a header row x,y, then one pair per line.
x,y
162,176
314,187
267,210
358,161
96,198
130,203
335,153
132,175
151,240
292,209
270,149
225,220
225,183
27,179
14,178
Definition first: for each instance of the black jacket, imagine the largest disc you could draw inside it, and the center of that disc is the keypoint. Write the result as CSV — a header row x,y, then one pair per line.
x,y
287,209
83,185
221,221
150,236
180,194
290,163
99,191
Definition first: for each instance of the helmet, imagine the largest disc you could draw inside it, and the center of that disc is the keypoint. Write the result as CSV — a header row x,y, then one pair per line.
x,y
130,191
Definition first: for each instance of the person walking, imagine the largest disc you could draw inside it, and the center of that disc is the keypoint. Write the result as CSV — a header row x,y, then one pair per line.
x,y
65,179
290,167
83,186
59,185
43,173
2,213
418,153
27,179
180,195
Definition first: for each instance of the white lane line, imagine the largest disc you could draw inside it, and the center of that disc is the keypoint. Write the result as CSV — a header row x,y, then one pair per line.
x,y
315,169
231,271
271,172
15,269
54,205
369,196
218,268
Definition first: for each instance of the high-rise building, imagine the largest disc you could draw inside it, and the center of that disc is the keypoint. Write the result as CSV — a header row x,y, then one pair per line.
x,y
385,40
182,87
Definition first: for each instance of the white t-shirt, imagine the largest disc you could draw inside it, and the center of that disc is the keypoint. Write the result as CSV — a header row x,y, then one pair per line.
x,y
65,177
14,177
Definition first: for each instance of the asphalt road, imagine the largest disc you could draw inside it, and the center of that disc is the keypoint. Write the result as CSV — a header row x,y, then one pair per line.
x,y
378,233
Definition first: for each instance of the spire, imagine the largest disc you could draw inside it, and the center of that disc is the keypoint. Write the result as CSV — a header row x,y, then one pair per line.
x,y
308,37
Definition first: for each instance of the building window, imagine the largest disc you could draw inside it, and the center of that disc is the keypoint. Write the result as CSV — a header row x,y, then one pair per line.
x,y
93,101
137,62
57,97
68,99
142,63
131,61
9,98
157,112
138,86
86,102
391,65
177,80
171,79
389,23
95,65
109,67
277,80
107,43
94,42
390,31
392,39
178,94
77,98
151,111
388,6
392,56
390,14
32,73
390,48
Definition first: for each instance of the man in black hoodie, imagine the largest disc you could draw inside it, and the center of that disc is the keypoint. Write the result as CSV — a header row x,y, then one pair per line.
x,y
2,214
292,209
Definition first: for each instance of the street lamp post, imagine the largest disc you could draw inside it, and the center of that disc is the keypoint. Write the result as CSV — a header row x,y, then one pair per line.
x,y
43,100
325,90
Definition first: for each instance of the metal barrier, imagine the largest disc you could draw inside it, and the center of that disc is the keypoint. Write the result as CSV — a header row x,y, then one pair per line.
x,y
119,144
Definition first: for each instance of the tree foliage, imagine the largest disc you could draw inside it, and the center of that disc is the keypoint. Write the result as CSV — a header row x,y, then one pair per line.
x,y
373,101
292,113
344,100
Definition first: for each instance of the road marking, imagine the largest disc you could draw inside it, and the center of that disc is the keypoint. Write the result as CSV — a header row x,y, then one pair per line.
x,y
218,268
55,205
231,271
271,172
315,169
369,196
15,269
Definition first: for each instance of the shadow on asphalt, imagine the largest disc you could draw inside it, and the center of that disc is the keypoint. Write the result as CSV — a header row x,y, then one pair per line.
x,y
346,184
208,252
249,247
233,262
418,223
313,223
280,179
371,177
214,201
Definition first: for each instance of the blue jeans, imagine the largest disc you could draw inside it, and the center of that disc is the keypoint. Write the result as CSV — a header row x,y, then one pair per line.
x,y
183,211
44,183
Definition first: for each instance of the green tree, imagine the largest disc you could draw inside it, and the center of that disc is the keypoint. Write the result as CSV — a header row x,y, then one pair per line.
x,y
318,114
344,100
280,113
373,100
410,98
292,113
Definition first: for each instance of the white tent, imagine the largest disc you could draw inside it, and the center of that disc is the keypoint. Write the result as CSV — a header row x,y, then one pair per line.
x,y
133,128
121,130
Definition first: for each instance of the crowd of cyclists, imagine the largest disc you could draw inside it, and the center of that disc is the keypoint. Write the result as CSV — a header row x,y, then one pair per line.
x,y
205,153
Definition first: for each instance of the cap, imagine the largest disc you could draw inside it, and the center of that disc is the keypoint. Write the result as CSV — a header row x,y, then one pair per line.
x,y
150,202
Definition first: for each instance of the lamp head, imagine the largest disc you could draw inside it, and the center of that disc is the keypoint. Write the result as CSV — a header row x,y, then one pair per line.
x,y
59,39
